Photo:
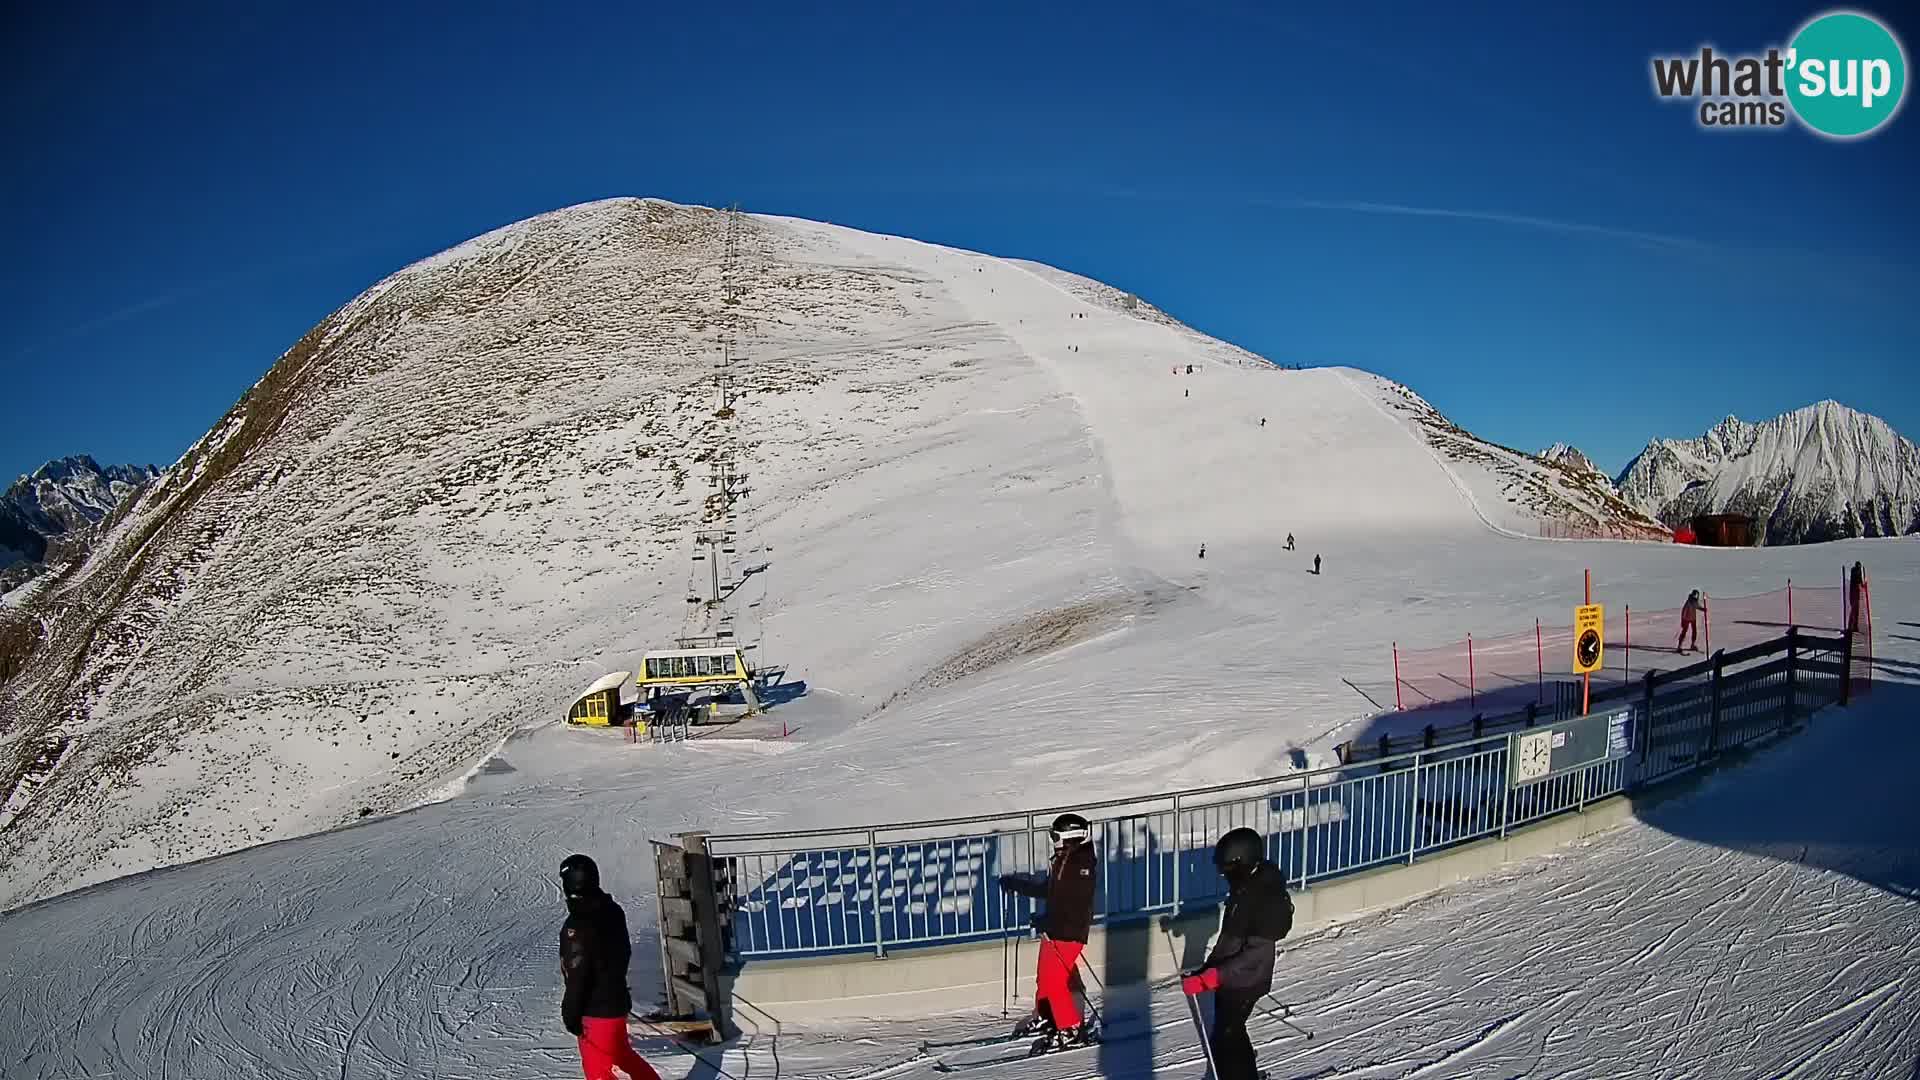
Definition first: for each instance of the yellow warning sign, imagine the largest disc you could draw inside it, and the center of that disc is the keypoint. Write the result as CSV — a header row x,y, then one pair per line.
x,y
1589,638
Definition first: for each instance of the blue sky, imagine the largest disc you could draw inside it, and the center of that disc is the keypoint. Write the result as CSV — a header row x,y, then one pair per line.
x,y
1490,206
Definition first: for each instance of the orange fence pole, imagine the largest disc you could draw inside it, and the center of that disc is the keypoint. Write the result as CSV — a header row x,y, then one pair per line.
x,y
1396,677
1540,665
1473,694
1586,678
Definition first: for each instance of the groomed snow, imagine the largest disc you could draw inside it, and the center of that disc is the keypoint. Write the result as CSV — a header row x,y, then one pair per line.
x,y
1764,924
1006,559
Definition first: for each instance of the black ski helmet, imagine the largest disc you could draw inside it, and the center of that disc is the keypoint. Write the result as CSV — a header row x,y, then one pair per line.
x,y
1239,851
1070,828
579,876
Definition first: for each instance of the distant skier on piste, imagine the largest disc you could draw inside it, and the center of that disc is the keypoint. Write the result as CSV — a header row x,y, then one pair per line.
x,y
1689,616
594,951
1239,971
1067,890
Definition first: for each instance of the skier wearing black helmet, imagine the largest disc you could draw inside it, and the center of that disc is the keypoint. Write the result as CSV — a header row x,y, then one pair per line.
x,y
1068,892
594,950
1240,968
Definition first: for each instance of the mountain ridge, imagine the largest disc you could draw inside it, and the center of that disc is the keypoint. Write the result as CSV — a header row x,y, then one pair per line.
x,y
63,497
1820,472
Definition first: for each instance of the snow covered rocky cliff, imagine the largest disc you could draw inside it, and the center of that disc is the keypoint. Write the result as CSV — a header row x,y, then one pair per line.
x,y
64,496
1823,472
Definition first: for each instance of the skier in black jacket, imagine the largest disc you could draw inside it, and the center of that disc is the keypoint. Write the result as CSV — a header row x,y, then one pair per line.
x,y
1068,891
1240,968
594,950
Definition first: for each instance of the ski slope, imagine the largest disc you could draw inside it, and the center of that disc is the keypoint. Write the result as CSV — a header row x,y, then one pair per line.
x,y
1763,924
982,486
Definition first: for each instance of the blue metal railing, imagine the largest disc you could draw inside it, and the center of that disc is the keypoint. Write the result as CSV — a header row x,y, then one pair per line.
x,y
935,882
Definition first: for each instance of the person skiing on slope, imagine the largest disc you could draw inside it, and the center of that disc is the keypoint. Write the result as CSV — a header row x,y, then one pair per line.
x,y
1689,613
1289,541
1316,564
1068,892
1239,970
594,950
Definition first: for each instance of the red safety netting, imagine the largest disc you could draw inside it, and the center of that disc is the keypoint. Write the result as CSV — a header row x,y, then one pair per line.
x,y
1502,673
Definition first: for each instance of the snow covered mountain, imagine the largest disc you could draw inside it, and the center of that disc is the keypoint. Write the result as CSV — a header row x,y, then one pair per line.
x,y
63,496
1570,456
1525,495
1822,472
474,488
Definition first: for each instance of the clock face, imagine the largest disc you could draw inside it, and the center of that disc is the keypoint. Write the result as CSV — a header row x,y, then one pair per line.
x,y
1589,648
1534,755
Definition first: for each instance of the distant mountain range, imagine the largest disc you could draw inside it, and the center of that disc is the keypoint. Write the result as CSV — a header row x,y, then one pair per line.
x,y
60,500
1823,472
1562,454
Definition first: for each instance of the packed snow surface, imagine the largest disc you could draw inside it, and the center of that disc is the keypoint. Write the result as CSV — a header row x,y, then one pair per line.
x,y
1762,922
982,487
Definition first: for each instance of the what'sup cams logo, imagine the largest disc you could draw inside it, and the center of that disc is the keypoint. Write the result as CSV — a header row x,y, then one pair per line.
x,y
1843,76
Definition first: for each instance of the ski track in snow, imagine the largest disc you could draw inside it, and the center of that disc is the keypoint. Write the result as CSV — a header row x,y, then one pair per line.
x,y
1763,924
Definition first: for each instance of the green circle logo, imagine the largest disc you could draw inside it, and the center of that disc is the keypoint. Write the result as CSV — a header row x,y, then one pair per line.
x,y
1847,74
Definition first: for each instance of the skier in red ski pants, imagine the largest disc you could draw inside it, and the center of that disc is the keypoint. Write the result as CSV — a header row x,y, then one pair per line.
x,y
594,950
604,1048
1689,614
1053,981
1068,892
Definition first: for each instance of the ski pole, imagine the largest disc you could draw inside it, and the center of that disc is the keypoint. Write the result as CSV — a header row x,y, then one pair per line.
x,y
1055,949
1193,1001
1006,948
1281,1015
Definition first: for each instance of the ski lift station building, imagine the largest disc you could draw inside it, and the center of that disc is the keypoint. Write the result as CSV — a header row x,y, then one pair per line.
x,y
599,705
689,669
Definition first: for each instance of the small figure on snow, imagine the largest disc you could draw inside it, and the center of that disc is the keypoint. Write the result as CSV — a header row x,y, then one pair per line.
x,y
1689,613
1263,421
594,951
1189,393
1856,594
1316,564
1289,541
1203,551
1239,971
1189,369
1068,892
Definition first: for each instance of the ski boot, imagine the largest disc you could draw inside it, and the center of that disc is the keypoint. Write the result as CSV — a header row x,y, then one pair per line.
x,y
1034,1024
1072,1038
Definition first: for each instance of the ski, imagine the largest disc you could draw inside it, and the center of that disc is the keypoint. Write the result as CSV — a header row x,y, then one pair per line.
x,y
942,1066
930,1046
